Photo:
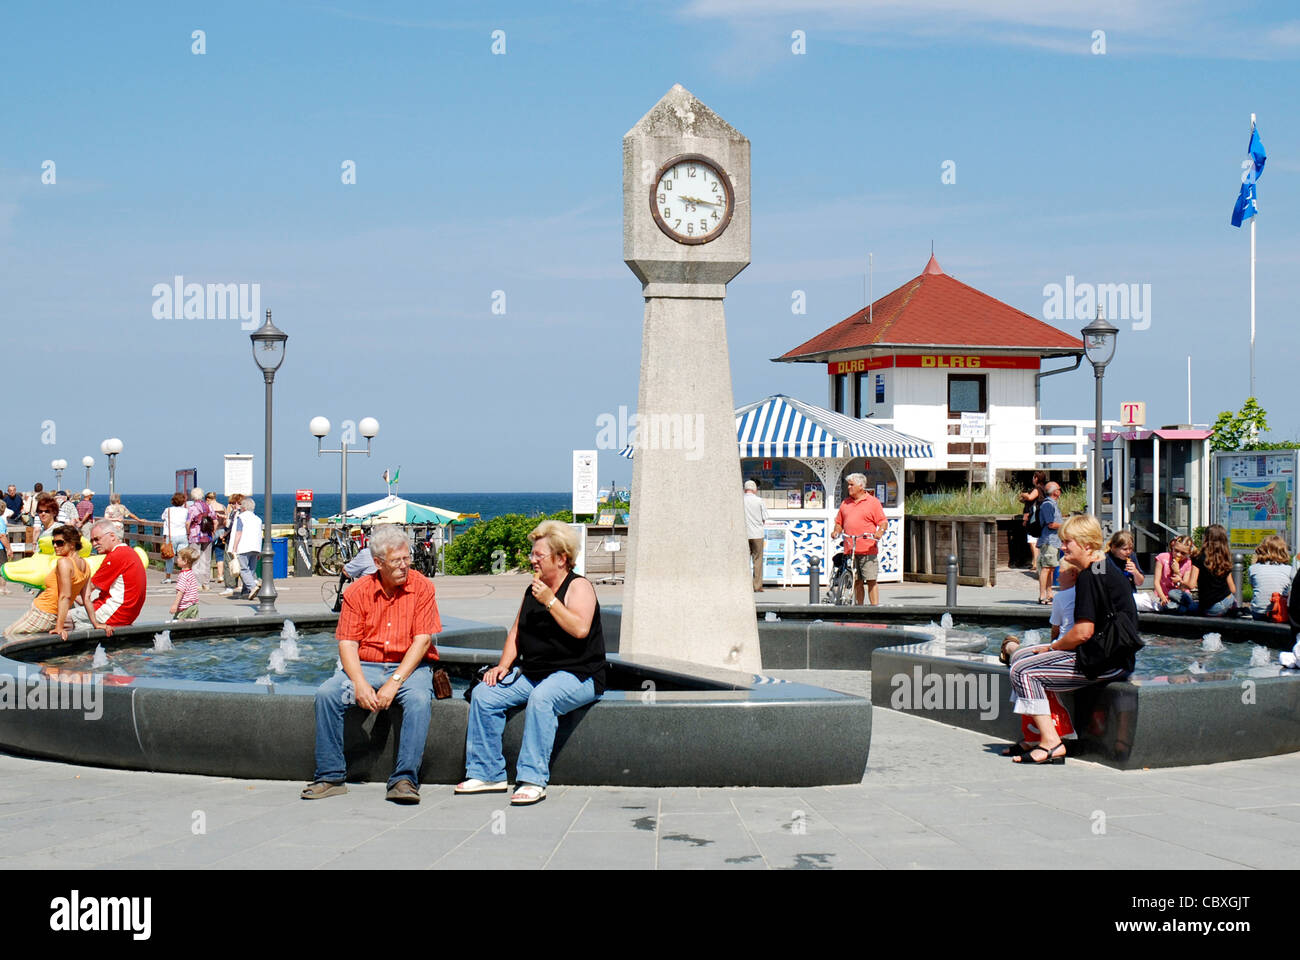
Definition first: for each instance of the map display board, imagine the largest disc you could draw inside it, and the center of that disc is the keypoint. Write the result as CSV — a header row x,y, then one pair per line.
x,y
774,550
1255,496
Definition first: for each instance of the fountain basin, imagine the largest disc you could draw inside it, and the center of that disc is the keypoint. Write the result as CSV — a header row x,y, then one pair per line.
x,y
661,723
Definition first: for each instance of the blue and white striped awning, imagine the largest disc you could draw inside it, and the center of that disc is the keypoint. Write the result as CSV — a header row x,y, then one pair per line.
x,y
781,426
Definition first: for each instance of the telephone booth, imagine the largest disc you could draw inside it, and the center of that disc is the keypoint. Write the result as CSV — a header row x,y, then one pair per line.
x,y
1164,476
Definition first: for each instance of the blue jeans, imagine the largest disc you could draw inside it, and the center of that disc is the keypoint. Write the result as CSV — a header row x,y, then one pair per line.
x,y
247,561
547,701
337,694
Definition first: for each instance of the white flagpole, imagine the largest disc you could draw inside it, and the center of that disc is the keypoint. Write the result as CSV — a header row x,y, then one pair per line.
x,y
1189,391
1252,282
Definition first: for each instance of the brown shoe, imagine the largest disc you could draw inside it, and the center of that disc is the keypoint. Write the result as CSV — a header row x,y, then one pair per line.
x,y
322,789
403,791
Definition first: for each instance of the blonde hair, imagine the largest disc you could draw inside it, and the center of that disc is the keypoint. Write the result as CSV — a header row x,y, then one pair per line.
x,y
1272,550
1083,529
188,555
559,538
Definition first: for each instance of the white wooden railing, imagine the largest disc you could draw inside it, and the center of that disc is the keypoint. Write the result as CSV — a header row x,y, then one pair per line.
x,y
1057,444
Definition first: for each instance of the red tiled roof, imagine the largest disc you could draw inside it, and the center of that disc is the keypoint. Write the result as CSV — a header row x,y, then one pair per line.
x,y
935,310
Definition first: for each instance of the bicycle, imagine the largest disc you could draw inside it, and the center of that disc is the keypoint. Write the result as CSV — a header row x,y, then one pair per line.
x,y
337,550
425,556
840,591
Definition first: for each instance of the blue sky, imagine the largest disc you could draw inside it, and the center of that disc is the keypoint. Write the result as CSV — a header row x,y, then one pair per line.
x,y
225,167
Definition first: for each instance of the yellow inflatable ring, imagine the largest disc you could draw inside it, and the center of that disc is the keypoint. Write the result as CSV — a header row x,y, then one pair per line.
x,y
33,570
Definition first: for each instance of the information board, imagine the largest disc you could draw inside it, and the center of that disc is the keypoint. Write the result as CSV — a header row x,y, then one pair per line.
x,y
774,551
1255,496
584,482
239,474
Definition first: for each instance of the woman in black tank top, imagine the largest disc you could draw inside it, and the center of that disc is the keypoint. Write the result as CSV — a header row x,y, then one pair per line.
x,y
553,660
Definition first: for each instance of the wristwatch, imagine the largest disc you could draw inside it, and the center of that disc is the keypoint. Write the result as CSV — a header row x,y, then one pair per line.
x,y
398,677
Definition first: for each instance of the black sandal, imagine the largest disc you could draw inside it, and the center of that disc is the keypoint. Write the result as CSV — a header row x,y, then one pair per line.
x,y
1051,757
1019,749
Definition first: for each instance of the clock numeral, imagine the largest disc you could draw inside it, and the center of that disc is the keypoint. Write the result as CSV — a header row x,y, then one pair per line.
x,y
715,186
667,214
676,224
690,229
704,226
715,214
662,198
690,169
668,184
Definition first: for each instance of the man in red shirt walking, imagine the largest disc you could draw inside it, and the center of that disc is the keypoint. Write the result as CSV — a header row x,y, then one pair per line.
x,y
385,635
861,515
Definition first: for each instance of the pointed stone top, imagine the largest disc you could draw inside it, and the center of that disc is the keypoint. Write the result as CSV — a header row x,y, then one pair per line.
x,y
932,268
680,114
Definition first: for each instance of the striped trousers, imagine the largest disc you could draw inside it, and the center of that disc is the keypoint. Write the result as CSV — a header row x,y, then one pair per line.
x,y
1034,674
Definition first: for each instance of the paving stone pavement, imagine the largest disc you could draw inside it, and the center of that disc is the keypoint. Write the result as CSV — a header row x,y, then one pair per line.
x,y
933,797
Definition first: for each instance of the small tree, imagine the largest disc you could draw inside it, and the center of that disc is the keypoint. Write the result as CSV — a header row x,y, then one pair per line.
x,y
1241,430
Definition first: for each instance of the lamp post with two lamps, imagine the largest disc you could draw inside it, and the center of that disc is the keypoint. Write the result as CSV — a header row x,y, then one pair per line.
x,y
58,466
320,426
268,352
1099,344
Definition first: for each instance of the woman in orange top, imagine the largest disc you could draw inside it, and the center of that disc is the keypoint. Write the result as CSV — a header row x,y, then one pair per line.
x,y
68,579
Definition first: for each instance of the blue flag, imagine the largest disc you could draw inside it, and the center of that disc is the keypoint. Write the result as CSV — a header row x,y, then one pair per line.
x,y
1251,168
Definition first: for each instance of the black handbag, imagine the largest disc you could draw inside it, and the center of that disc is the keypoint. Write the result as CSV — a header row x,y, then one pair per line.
x,y
1115,644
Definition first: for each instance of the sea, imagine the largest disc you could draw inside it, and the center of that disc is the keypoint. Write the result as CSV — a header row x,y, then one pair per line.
x,y
149,506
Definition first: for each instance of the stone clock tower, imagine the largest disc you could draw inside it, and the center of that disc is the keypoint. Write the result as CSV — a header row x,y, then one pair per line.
x,y
685,235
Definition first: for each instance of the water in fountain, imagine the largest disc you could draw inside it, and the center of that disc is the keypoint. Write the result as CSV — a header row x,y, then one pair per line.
x,y
1211,643
264,678
290,632
289,647
101,658
770,617
277,661
1195,668
1031,637
163,641
1260,656
946,621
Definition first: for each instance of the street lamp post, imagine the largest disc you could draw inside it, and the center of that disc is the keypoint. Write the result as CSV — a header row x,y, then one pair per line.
x,y
87,462
1099,345
319,427
58,466
268,352
111,448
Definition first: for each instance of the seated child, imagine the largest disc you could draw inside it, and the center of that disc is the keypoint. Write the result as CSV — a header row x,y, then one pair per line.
x,y
1119,551
1174,576
186,604
1270,572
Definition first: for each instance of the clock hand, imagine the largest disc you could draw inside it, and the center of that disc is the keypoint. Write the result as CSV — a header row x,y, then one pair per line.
x,y
707,203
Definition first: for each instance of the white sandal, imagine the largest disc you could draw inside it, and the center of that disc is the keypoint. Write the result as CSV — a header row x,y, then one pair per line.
x,y
527,794
480,786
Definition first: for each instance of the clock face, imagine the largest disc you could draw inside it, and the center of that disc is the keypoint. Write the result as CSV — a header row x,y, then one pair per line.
x,y
691,199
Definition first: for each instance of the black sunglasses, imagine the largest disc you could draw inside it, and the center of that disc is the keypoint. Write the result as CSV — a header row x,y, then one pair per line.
x,y
59,543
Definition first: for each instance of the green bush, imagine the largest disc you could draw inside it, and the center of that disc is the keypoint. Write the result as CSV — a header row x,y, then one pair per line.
x,y
496,546
985,501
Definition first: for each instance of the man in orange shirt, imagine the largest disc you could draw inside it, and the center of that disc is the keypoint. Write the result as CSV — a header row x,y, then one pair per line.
x,y
385,635
861,515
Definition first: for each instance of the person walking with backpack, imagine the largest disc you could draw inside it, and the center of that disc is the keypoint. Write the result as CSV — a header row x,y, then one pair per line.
x,y
200,524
